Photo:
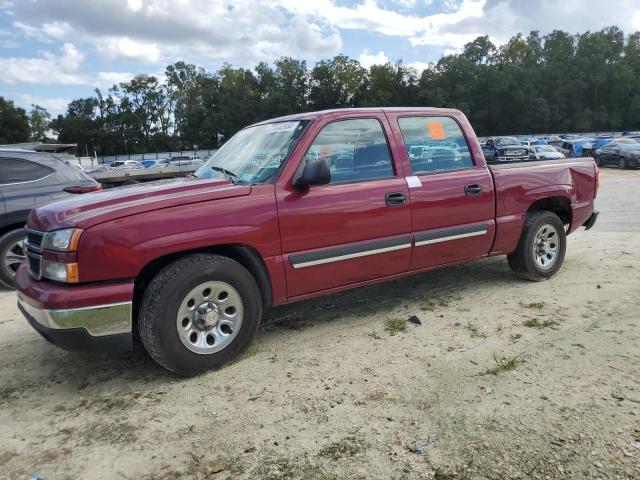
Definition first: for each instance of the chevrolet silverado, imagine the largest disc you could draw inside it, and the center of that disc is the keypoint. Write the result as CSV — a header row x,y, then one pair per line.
x,y
289,209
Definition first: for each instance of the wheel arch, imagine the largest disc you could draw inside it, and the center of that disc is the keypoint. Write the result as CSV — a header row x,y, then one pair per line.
x,y
245,255
12,226
560,205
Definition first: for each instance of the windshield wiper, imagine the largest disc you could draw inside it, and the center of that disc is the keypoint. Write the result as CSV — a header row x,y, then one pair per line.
x,y
227,173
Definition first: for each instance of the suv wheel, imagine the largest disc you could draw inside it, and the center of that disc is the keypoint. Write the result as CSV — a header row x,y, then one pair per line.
x,y
199,312
12,254
540,251
622,163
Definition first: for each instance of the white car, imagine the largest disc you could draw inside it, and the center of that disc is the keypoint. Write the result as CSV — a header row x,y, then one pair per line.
x,y
544,152
126,165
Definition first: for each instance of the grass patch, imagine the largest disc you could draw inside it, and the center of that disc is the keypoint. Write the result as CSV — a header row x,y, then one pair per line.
x,y
395,325
373,334
499,328
540,324
533,305
431,305
504,364
344,448
474,331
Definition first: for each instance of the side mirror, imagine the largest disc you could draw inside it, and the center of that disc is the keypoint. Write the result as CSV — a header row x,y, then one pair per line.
x,y
315,172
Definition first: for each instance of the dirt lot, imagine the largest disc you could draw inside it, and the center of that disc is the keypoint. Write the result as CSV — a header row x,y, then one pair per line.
x,y
503,379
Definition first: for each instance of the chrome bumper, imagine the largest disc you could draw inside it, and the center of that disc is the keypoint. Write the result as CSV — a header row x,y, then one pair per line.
x,y
98,321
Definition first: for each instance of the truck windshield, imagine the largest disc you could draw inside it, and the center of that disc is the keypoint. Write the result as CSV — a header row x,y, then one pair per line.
x,y
254,154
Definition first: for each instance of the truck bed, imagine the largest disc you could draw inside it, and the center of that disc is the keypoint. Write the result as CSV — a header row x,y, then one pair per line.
x,y
568,183
536,163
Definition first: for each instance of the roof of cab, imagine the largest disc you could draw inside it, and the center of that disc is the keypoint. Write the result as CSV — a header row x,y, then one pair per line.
x,y
324,113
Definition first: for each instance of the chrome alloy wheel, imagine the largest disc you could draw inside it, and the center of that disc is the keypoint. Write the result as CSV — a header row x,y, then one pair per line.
x,y
209,317
14,256
545,246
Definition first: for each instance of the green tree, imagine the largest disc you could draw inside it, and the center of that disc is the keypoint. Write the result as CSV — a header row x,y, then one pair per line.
x,y
14,123
39,122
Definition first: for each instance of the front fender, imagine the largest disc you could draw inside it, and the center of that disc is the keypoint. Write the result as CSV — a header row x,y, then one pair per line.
x,y
120,248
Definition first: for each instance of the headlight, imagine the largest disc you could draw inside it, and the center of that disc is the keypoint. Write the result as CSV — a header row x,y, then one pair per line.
x,y
60,272
65,240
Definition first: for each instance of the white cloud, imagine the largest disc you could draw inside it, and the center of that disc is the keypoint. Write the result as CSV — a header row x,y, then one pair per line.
x,y
123,47
50,69
161,31
57,30
420,30
368,59
108,79
419,66
53,105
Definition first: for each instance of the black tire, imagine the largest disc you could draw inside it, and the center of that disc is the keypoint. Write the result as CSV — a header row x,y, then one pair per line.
x,y
622,163
163,297
7,241
523,260
597,160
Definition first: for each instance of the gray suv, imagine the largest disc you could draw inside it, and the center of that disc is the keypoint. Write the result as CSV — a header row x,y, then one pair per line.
x,y
27,180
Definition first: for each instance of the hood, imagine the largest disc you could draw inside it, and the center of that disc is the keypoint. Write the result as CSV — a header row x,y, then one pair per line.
x,y
551,155
89,209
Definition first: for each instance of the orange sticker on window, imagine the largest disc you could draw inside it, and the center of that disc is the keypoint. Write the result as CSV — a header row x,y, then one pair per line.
x,y
436,130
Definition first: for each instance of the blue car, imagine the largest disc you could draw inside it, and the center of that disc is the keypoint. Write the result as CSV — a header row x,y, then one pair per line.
x,y
574,145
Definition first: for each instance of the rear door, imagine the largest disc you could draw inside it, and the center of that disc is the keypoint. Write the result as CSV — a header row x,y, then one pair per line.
x,y
24,185
452,196
358,227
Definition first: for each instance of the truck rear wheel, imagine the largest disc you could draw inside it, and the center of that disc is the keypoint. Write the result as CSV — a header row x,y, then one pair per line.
x,y
198,313
540,251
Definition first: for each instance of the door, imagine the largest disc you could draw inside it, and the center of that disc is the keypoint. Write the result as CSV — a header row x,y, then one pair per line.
x,y
613,155
24,185
452,197
357,227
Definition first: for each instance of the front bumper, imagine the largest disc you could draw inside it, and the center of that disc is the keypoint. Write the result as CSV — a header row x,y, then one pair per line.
x,y
48,323
94,317
513,159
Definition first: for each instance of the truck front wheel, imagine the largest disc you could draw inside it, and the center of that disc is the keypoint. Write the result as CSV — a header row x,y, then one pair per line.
x,y
540,251
198,313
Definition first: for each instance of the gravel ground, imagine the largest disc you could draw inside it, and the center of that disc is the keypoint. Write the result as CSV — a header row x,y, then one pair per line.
x,y
502,379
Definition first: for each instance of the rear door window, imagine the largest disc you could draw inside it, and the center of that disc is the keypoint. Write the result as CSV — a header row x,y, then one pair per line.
x,y
16,170
435,144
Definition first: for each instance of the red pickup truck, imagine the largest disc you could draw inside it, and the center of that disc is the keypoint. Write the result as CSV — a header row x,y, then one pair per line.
x,y
289,209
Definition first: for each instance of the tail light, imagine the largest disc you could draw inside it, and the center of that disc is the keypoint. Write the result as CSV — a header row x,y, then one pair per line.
x,y
595,193
83,188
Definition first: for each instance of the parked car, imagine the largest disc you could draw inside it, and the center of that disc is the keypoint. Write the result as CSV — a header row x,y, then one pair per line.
x,y
620,154
27,180
505,149
185,161
554,140
589,148
574,146
126,165
274,218
545,152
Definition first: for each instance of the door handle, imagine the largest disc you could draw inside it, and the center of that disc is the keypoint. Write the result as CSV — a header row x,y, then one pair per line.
x,y
394,199
473,190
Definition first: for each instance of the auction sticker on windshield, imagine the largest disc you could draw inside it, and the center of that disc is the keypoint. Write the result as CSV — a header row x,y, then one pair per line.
x,y
282,127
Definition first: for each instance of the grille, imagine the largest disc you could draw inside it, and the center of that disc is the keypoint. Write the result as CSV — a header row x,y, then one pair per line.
x,y
35,239
34,250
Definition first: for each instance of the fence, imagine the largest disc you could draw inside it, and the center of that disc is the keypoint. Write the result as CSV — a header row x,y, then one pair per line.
x,y
155,156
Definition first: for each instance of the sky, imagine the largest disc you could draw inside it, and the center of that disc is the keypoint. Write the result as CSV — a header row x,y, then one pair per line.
x,y
52,51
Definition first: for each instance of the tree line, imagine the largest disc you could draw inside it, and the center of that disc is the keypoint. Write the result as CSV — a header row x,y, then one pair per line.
x,y
532,84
